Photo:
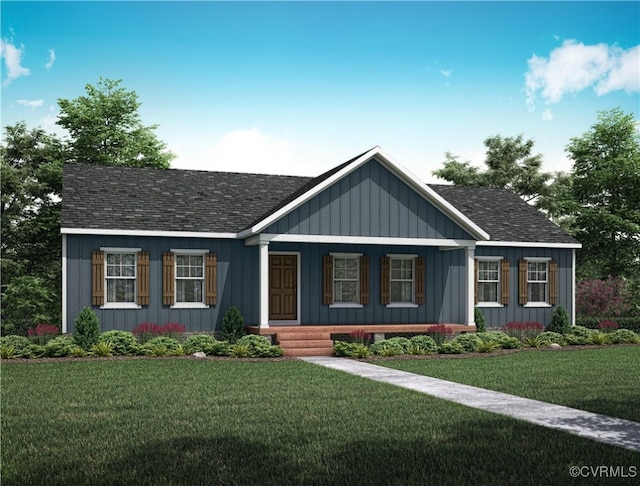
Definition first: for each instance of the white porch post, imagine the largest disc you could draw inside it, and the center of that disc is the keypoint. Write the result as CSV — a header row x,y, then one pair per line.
x,y
264,284
573,287
64,284
469,314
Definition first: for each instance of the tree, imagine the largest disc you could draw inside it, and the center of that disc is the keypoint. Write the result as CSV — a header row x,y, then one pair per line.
x,y
106,129
30,183
510,164
606,189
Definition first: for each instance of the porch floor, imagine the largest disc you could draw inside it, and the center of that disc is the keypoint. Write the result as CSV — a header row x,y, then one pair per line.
x,y
318,340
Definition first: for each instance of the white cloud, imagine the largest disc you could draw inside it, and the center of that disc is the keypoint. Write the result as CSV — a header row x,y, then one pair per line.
x,y
446,73
31,103
52,59
246,150
575,66
547,115
12,56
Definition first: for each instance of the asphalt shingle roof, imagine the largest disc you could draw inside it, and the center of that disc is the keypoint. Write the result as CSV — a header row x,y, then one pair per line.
x,y
125,198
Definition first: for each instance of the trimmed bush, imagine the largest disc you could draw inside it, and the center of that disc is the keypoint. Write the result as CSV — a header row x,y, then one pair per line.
x,y
162,346
19,344
33,351
479,318
425,343
582,331
549,337
560,321
122,343
259,346
200,343
469,342
622,336
451,347
502,339
87,329
399,345
232,325
59,347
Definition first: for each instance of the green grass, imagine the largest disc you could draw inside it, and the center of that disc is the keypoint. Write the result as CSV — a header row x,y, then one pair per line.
x,y
601,380
184,422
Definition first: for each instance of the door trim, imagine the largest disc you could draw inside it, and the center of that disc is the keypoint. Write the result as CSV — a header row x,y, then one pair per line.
x,y
292,322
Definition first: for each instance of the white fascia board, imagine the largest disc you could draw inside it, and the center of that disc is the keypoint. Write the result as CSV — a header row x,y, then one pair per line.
x,y
530,244
266,238
391,164
124,232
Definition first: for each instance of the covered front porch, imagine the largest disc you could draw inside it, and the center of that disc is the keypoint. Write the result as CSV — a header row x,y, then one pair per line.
x,y
318,340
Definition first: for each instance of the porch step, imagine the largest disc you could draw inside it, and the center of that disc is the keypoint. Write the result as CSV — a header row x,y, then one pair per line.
x,y
305,343
297,352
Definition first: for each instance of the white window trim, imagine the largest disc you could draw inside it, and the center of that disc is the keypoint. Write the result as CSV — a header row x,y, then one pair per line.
x,y
188,305
403,305
538,303
497,303
120,305
346,305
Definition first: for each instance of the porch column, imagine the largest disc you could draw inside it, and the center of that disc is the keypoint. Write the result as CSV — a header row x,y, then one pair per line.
x,y
469,307
264,284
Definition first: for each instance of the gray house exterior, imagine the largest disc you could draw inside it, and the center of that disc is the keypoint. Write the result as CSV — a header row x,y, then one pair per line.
x,y
365,243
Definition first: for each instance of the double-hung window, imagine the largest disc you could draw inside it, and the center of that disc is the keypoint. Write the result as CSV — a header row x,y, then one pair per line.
x,y
120,277
346,279
537,281
189,278
488,281
402,279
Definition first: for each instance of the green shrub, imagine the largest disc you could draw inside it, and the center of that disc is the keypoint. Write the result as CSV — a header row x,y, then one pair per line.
x,y
582,331
598,338
425,343
343,349
240,350
560,321
502,339
33,351
399,344
451,347
622,336
577,340
200,343
7,351
77,352
469,342
19,343
59,347
102,349
488,346
232,325
480,320
549,337
87,329
361,351
533,341
162,346
259,346
27,301
388,350
122,343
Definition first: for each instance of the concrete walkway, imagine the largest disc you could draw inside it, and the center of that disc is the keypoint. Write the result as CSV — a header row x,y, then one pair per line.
x,y
609,430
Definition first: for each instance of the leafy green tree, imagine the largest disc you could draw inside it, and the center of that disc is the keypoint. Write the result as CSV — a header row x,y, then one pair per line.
x,y
510,164
606,190
26,302
106,129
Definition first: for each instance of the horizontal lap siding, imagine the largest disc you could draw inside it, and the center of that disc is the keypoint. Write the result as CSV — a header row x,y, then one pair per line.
x,y
444,286
371,201
497,317
236,279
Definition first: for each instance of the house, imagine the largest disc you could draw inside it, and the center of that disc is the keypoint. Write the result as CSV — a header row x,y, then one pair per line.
x,y
364,243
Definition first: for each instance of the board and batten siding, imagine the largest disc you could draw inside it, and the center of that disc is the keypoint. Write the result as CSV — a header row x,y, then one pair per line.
x,y
499,316
237,284
444,285
370,201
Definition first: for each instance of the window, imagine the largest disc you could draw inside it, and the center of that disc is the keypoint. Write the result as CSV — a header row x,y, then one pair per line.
x,y
488,281
346,282
189,278
402,280
537,281
121,277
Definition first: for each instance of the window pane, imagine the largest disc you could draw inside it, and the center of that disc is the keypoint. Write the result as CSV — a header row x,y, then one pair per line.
x,y
121,290
121,264
487,292
189,290
346,291
487,271
402,291
537,292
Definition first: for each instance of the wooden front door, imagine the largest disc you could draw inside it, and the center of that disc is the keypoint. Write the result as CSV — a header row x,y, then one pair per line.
x,y
283,287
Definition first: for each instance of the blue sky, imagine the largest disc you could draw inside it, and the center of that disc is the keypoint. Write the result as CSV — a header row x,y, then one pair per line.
x,y
299,87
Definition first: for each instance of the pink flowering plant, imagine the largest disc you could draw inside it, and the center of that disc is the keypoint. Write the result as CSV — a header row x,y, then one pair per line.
x,y
440,333
148,330
523,330
607,326
610,297
360,336
43,333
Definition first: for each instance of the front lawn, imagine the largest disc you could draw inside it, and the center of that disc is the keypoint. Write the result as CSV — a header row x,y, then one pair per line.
x,y
186,421
601,380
